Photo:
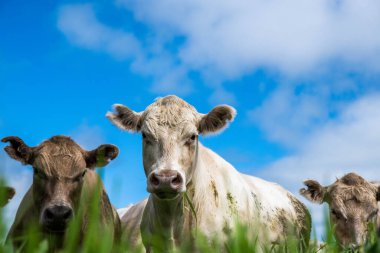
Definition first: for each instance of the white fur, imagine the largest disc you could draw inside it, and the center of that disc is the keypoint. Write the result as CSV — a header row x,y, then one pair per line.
x,y
220,194
217,214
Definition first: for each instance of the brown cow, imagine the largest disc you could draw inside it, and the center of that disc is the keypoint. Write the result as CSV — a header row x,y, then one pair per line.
x,y
64,183
6,194
353,204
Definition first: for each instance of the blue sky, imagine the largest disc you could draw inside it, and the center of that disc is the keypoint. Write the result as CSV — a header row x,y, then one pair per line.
x,y
304,77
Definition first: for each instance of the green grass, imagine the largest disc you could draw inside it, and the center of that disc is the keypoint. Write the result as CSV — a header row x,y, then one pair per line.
x,y
97,239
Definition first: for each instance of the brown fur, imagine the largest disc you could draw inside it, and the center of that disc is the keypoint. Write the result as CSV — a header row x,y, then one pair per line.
x,y
216,119
63,173
303,221
353,202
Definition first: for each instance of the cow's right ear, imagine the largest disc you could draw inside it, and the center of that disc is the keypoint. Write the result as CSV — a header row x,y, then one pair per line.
x,y
315,192
125,118
18,150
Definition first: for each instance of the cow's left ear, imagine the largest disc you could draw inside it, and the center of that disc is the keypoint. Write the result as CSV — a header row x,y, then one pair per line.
x,y
216,119
101,156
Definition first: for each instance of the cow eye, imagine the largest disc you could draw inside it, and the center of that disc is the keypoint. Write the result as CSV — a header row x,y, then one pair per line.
x,y
372,215
191,139
148,139
39,174
80,177
336,214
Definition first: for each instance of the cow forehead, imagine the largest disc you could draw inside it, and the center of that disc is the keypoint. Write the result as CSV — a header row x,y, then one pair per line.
x,y
362,194
59,158
169,112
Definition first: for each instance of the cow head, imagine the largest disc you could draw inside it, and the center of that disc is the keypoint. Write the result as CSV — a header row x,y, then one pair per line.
x,y
170,129
353,205
60,166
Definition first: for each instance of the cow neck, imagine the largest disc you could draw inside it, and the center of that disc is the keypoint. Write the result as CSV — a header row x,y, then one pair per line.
x,y
201,195
193,172
194,185
197,187
168,219
169,211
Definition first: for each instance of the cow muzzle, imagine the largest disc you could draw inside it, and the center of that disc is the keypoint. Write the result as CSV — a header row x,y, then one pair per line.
x,y
166,184
56,217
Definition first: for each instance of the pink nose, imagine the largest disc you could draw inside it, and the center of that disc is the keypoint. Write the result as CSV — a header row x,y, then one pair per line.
x,y
169,181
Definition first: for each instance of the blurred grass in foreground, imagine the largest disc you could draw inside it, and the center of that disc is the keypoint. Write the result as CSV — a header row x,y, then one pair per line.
x,y
98,239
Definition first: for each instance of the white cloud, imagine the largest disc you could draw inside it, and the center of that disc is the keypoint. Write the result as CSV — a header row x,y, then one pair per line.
x,y
231,38
220,95
224,40
88,137
78,22
349,143
286,117
168,77
80,25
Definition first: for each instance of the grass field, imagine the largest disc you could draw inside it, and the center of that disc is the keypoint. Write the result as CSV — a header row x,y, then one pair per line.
x,y
97,239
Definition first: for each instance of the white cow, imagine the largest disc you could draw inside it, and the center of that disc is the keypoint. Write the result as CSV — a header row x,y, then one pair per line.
x,y
175,162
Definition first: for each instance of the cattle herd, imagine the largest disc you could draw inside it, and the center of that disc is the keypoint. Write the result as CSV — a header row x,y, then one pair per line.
x,y
190,188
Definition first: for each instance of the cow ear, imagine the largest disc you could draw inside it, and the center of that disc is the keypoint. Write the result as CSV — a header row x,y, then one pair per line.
x,y
124,118
377,185
315,192
18,150
6,194
101,156
216,119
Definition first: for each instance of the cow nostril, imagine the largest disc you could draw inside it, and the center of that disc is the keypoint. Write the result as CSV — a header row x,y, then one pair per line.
x,y
154,180
49,214
177,180
67,214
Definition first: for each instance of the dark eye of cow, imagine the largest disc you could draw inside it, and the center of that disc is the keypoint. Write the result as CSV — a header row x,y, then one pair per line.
x,y
191,139
372,215
148,139
39,174
337,214
80,176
